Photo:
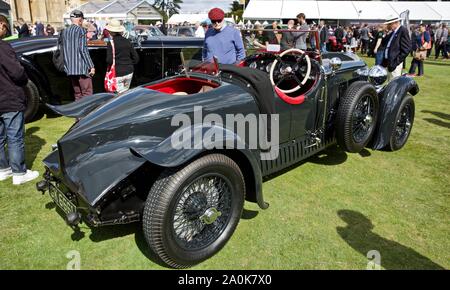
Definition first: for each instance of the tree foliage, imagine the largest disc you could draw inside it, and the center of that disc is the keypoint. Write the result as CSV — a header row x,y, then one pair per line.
x,y
172,6
236,9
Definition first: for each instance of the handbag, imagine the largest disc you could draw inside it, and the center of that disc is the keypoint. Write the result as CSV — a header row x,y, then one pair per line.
x,y
420,54
58,55
110,77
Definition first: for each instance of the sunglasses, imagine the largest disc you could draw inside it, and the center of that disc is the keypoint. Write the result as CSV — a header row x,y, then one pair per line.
x,y
216,21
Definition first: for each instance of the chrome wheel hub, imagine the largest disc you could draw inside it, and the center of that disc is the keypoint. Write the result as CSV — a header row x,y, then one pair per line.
x,y
202,212
368,120
210,216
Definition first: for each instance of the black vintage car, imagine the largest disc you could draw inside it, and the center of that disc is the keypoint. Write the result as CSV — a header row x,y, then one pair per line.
x,y
160,57
122,163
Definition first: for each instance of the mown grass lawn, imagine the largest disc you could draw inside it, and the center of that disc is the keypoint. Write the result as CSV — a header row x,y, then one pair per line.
x,y
327,213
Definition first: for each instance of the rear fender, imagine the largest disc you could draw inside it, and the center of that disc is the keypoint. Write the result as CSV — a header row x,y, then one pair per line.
x,y
390,98
171,153
83,107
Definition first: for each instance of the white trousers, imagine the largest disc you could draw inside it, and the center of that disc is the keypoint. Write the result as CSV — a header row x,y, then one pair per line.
x,y
397,72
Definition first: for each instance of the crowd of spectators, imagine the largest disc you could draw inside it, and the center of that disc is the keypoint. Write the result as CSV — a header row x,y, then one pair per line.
x,y
24,29
366,39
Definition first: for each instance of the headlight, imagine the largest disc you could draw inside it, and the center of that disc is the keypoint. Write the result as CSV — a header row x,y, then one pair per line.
x,y
363,72
378,75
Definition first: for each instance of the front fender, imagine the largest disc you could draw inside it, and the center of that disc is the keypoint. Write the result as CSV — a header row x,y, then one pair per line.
x,y
83,107
170,153
390,98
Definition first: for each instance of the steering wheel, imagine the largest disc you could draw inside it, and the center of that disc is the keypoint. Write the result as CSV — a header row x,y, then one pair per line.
x,y
288,72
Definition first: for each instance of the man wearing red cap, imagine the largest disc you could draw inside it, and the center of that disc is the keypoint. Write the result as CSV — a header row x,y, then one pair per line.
x,y
222,41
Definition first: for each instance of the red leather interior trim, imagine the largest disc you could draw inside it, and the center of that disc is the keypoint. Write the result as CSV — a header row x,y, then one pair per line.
x,y
181,84
290,100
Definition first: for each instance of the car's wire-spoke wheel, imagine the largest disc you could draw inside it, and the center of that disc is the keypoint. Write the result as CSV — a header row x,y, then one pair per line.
x,y
403,124
202,211
363,119
191,212
357,116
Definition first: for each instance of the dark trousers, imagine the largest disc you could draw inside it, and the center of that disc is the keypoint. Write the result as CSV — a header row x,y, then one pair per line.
x,y
414,64
364,45
82,86
439,48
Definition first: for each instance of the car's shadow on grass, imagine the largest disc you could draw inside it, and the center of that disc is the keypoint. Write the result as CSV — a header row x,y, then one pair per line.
x,y
101,234
333,155
33,145
111,232
249,214
358,233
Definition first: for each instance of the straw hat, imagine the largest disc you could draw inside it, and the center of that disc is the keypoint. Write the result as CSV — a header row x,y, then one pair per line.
x,y
392,18
115,26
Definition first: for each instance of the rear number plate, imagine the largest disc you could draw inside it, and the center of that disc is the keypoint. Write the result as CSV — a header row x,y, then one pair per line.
x,y
61,200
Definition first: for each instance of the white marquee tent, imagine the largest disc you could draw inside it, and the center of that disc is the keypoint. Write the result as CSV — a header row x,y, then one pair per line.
x,y
346,10
131,10
191,18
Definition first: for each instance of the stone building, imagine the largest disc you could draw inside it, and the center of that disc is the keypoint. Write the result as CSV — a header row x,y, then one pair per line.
x,y
4,8
46,11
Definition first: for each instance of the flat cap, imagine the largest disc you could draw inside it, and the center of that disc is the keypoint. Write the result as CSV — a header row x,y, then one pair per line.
x,y
216,14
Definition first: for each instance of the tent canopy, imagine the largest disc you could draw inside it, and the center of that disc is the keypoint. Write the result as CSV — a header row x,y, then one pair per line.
x,y
443,8
291,9
119,9
417,10
346,10
192,18
369,11
265,9
334,10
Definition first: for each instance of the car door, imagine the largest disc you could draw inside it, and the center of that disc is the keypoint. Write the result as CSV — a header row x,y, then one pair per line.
x,y
307,117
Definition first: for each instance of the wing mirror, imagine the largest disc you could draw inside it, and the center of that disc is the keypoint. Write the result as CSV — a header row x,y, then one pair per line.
x,y
336,63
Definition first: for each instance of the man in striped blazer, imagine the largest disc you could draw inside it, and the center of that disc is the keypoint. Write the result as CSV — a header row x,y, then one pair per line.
x,y
77,62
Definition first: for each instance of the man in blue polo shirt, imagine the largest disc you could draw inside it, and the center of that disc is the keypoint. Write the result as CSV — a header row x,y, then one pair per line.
x,y
222,41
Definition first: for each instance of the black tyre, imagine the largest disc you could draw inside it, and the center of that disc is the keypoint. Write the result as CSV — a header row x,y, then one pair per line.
x,y
192,212
32,94
403,124
357,116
